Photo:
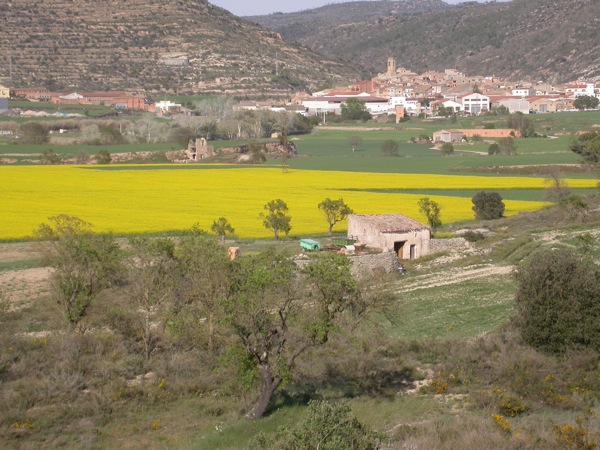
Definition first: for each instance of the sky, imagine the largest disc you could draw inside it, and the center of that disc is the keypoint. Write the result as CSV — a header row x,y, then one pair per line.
x,y
261,7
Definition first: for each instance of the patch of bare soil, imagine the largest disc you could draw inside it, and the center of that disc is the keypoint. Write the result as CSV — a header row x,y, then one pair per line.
x,y
18,251
25,284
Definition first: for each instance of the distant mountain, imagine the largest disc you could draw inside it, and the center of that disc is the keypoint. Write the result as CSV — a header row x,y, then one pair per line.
x,y
555,40
306,26
156,45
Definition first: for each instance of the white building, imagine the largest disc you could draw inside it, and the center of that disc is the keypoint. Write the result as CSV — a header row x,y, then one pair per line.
x,y
475,103
523,92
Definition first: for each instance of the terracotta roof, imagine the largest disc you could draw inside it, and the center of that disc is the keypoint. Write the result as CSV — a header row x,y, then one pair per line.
x,y
392,223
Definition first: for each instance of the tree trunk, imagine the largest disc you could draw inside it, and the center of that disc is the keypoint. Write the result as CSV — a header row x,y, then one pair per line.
x,y
276,234
269,386
330,229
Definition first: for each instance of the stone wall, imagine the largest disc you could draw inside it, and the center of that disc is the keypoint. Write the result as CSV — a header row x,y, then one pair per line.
x,y
365,266
448,245
373,265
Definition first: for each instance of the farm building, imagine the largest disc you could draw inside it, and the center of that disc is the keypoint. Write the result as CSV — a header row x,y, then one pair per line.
x,y
404,236
448,136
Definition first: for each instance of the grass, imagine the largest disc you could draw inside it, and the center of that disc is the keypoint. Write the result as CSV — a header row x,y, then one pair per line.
x,y
462,310
451,329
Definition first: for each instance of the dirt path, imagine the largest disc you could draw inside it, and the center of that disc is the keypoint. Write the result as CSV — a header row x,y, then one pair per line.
x,y
453,276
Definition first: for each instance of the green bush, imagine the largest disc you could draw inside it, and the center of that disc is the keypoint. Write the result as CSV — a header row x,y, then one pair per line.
x,y
473,236
557,302
488,205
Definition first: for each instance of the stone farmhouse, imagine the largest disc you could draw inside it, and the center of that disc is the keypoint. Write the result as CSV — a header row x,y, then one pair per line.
x,y
396,233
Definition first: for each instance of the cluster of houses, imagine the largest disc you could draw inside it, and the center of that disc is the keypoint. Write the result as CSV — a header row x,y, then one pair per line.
x,y
118,100
397,91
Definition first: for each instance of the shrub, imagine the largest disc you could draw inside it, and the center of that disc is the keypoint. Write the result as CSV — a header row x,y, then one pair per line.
x,y
447,148
557,307
493,149
103,157
34,133
473,236
390,147
488,205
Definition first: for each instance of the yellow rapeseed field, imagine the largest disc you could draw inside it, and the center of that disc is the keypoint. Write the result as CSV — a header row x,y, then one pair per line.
x,y
153,198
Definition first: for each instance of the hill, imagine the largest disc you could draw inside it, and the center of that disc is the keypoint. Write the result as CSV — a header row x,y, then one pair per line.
x,y
155,45
539,39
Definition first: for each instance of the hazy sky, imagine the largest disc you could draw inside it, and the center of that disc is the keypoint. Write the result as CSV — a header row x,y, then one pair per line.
x,y
260,7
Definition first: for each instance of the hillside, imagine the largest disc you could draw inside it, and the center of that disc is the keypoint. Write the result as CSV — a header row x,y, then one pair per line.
x,y
549,39
305,26
155,45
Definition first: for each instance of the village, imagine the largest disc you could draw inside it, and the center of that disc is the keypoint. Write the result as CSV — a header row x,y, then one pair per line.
x,y
398,91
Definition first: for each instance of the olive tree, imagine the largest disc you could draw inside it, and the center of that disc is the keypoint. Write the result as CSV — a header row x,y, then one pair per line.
x,y
222,228
276,217
277,313
334,211
84,263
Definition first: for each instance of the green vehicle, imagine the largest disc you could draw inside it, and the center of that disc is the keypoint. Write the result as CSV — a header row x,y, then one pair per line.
x,y
310,244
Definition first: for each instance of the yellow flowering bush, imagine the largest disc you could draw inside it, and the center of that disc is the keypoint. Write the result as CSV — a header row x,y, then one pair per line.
x,y
154,198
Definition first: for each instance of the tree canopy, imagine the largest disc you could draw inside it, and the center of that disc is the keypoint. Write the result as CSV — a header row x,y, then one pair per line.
x,y
84,263
587,145
431,210
488,205
354,109
586,102
390,147
557,301
268,312
519,121
222,228
334,211
276,217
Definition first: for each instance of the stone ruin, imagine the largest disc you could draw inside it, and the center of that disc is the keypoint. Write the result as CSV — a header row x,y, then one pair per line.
x,y
199,149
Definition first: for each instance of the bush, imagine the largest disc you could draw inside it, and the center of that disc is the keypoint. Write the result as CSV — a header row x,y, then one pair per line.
x,y
493,149
473,236
34,133
447,148
557,302
390,147
103,157
488,205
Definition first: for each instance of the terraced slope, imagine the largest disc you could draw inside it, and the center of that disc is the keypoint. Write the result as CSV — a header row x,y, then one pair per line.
x,y
156,45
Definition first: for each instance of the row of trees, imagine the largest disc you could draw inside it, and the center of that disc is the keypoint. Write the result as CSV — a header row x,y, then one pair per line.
x,y
277,219
212,123
262,313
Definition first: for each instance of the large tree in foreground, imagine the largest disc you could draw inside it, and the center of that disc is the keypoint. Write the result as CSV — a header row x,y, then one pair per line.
x,y
278,313
334,211
84,263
